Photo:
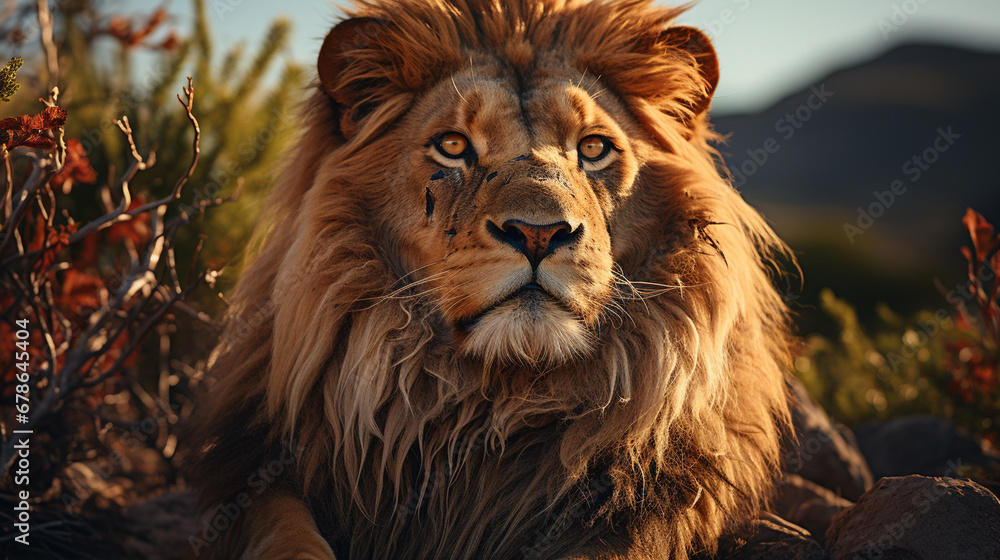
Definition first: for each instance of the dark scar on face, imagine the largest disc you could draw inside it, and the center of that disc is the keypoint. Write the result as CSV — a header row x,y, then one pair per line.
x,y
430,203
519,158
438,175
491,176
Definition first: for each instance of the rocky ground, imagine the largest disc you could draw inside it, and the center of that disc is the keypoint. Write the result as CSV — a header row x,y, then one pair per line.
x,y
889,491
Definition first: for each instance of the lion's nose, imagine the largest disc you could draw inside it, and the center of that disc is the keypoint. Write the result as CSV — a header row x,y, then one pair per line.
x,y
535,241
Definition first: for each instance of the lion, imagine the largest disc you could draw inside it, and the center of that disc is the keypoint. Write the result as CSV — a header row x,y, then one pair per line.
x,y
506,303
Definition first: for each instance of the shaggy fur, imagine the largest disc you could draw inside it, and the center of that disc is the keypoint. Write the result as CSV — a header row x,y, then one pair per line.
x,y
632,410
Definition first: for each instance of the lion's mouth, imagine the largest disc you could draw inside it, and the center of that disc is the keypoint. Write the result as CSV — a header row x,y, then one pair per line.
x,y
532,294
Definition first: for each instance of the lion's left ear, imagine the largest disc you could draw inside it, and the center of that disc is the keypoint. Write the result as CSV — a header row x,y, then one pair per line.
x,y
698,45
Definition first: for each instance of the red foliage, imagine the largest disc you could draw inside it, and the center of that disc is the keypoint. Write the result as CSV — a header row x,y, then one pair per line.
x,y
171,43
51,242
81,292
974,360
981,233
28,131
76,169
137,230
130,33
77,293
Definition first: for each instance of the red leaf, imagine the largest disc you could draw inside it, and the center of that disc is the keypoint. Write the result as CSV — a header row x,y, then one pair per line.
x,y
81,292
26,130
119,28
49,118
76,169
981,233
137,229
171,43
35,140
11,123
123,29
56,240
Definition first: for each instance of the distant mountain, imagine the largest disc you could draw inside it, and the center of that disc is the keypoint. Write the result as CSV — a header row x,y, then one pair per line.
x,y
810,161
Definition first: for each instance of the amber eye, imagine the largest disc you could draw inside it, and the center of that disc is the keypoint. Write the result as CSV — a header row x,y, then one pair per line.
x,y
594,147
453,145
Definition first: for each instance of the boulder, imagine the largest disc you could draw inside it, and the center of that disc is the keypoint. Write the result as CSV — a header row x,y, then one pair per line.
x,y
807,505
771,538
919,518
824,453
918,445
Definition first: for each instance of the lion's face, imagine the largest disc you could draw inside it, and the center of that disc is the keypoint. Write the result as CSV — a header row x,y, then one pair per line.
x,y
508,203
515,179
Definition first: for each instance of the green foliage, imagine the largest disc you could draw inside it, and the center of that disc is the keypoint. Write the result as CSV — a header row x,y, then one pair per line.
x,y
246,119
943,362
894,369
8,75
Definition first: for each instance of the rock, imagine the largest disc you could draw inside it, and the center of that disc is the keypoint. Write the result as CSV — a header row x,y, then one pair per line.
x,y
825,454
772,538
919,518
808,505
918,445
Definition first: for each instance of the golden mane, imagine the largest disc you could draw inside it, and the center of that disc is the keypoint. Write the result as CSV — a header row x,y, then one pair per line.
x,y
668,432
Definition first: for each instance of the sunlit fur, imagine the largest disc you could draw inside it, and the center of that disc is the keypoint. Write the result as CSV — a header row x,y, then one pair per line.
x,y
654,363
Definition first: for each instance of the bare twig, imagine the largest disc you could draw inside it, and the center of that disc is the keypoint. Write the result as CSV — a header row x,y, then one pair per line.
x,y
147,294
51,56
120,214
44,168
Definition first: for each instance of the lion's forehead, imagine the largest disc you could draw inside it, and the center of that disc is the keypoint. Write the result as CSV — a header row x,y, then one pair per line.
x,y
509,112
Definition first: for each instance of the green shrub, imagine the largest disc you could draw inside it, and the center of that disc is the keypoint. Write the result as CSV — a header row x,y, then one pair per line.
x,y
941,361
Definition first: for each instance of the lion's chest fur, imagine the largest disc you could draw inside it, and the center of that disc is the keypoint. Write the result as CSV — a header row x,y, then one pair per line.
x,y
485,505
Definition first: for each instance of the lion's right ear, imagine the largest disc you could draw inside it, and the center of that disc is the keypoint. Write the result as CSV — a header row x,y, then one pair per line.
x,y
368,65
352,68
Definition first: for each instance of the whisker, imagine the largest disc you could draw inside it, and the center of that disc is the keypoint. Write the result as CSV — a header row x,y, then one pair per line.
x,y
458,92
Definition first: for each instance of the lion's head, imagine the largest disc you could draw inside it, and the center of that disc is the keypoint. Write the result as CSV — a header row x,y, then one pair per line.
x,y
522,177
503,250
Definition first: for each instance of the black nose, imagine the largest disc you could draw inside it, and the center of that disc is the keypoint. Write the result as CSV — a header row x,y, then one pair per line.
x,y
534,241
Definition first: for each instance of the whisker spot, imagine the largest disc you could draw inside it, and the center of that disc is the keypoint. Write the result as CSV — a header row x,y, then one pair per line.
x,y
430,203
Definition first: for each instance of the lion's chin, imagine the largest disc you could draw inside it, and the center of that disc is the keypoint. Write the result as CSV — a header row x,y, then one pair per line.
x,y
529,329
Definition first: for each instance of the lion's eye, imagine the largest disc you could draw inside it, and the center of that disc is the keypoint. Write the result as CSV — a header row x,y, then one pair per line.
x,y
453,145
594,147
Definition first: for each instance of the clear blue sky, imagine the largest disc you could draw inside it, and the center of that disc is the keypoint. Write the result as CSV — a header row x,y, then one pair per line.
x,y
767,48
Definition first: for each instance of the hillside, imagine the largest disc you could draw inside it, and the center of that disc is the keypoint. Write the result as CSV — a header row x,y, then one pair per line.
x,y
811,160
